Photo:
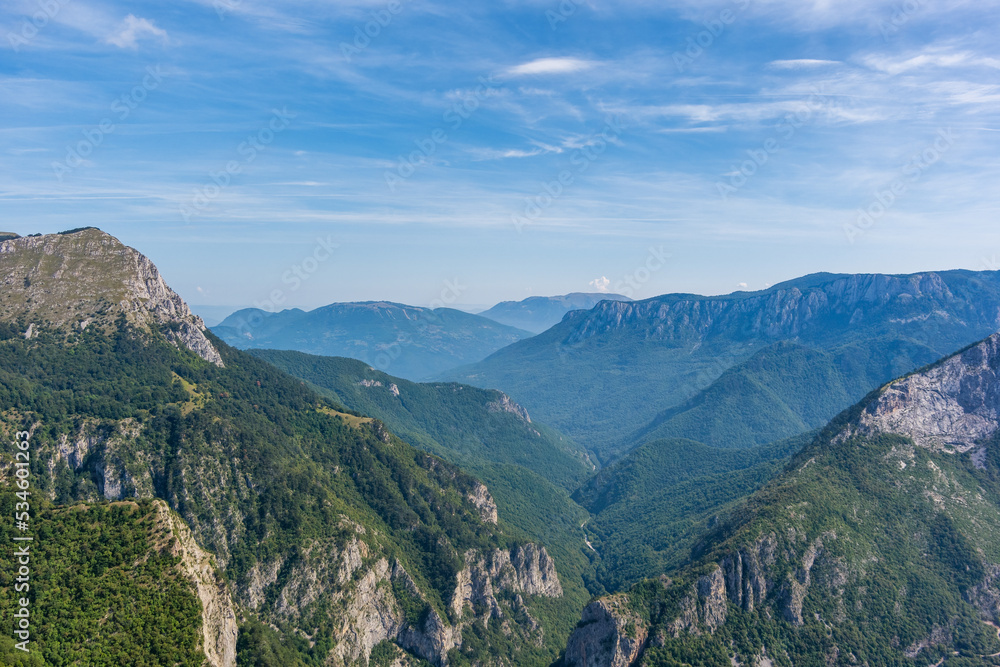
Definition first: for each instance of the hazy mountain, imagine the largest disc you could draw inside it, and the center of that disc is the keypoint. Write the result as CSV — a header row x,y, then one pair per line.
x,y
315,522
408,341
538,313
213,315
624,364
877,545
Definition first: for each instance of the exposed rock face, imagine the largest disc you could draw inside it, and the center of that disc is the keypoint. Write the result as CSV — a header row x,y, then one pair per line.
x,y
836,302
610,634
746,573
365,588
219,625
504,404
72,281
525,569
481,498
951,406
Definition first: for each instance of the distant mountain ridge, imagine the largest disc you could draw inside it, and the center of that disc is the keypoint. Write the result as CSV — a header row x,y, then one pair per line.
x,y
409,341
668,348
538,313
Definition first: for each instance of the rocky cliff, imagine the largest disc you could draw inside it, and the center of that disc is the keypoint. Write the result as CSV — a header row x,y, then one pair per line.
x,y
810,308
85,278
218,616
897,500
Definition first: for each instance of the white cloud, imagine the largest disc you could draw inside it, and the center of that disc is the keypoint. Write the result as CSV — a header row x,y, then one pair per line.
x,y
550,66
802,63
132,29
600,284
742,285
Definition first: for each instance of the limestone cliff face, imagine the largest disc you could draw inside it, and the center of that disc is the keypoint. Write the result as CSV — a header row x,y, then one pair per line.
x,y
374,600
219,623
481,498
89,278
505,404
610,634
789,312
949,407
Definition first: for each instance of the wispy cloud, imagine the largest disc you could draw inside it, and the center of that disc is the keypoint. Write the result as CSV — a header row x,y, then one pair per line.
x,y
544,66
802,63
132,29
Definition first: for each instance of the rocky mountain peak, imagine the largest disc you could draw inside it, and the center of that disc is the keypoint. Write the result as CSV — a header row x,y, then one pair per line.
x,y
87,277
949,407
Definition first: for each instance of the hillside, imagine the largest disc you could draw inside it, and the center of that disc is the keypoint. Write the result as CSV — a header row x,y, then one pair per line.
x,y
784,390
407,341
335,538
529,469
649,509
669,348
538,313
878,545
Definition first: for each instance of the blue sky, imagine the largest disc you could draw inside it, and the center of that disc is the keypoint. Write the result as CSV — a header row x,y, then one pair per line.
x,y
470,153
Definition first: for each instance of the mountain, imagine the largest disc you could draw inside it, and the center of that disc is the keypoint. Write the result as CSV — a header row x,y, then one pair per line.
x,y
667,349
461,423
411,342
213,315
784,390
650,508
877,545
529,468
333,540
538,313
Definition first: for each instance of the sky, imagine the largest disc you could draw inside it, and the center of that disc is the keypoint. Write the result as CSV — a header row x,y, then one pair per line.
x,y
298,153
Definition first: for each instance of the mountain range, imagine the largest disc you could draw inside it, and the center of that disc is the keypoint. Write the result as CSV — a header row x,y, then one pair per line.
x,y
181,482
538,313
409,341
801,478
674,352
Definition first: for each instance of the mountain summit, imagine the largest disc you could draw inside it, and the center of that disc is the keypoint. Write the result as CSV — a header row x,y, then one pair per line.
x,y
86,277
